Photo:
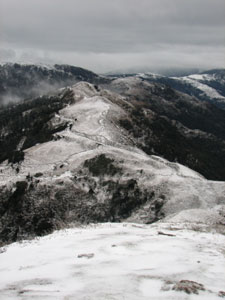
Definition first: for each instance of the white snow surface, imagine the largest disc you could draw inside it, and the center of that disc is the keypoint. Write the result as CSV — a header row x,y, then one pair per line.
x,y
149,75
200,76
114,261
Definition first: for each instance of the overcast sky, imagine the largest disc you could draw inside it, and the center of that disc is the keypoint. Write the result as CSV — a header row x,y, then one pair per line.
x,y
111,35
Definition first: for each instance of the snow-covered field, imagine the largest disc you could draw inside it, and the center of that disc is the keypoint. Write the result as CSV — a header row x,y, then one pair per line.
x,y
116,261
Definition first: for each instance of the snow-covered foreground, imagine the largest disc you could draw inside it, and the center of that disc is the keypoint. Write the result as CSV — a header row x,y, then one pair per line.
x,y
115,261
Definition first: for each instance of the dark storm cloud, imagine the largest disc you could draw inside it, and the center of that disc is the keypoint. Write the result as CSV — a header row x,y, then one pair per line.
x,y
103,29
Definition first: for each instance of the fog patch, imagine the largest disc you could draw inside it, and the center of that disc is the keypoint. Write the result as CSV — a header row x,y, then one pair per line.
x,y
9,99
155,59
41,89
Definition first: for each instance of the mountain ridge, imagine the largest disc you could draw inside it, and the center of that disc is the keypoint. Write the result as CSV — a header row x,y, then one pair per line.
x,y
26,81
88,167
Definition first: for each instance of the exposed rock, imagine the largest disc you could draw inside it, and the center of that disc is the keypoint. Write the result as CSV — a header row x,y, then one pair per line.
x,y
189,287
167,234
86,255
221,294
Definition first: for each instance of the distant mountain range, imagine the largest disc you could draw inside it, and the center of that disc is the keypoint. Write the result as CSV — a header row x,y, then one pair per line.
x,y
206,86
24,81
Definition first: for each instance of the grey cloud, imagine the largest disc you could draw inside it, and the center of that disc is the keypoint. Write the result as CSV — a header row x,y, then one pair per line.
x,y
8,54
115,27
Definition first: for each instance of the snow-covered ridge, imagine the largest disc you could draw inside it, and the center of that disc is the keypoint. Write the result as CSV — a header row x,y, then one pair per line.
x,y
93,130
91,170
201,77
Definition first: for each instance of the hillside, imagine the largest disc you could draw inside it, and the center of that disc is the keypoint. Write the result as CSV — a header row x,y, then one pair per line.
x,y
26,81
82,156
208,86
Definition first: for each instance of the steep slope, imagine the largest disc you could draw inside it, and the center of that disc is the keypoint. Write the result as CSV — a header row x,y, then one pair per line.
x,y
71,161
174,125
207,86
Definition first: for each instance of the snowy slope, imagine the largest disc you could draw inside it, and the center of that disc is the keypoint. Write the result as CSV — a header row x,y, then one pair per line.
x,y
199,85
91,171
197,82
92,131
116,261
207,86
89,127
